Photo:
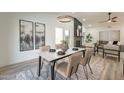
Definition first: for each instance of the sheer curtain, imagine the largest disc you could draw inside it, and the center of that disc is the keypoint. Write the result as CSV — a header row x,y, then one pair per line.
x,y
113,35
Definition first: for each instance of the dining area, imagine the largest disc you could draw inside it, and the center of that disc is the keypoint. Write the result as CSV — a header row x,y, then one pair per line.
x,y
64,61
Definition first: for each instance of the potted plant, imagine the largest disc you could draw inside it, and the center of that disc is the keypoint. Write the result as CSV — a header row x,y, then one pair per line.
x,y
65,44
89,38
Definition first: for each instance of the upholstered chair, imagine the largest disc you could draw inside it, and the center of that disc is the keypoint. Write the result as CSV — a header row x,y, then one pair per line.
x,y
112,50
90,46
67,69
44,48
86,61
43,61
61,46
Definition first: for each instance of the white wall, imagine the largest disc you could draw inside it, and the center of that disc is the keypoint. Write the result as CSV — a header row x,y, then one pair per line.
x,y
9,35
94,32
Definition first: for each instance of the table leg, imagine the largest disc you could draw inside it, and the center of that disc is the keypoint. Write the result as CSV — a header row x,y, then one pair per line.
x,y
39,65
123,67
84,53
118,56
52,70
94,51
97,50
103,52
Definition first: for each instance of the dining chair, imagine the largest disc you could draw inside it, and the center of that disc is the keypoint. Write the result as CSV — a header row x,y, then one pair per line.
x,y
61,46
43,61
86,61
67,69
45,48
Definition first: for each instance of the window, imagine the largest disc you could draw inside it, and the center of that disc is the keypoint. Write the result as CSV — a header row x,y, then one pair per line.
x,y
59,35
67,36
62,34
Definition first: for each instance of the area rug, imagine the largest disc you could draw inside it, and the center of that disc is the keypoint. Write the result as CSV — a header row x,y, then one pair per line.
x,y
29,72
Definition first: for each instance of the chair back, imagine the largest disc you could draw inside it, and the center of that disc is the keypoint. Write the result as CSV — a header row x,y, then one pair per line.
x,y
74,61
44,48
87,58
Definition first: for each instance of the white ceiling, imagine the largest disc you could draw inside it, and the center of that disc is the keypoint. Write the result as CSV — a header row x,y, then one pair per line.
x,y
94,18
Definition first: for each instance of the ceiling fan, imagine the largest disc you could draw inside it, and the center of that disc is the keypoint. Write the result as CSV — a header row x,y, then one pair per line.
x,y
110,19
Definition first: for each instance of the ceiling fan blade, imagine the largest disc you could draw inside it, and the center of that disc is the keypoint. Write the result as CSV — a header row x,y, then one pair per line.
x,y
103,21
114,21
115,17
109,19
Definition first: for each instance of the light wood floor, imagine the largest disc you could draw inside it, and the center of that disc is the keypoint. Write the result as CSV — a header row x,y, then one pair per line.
x,y
112,69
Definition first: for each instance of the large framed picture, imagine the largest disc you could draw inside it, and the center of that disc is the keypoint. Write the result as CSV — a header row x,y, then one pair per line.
x,y
26,35
39,35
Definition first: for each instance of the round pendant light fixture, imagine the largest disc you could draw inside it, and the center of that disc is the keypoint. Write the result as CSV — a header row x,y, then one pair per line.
x,y
65,19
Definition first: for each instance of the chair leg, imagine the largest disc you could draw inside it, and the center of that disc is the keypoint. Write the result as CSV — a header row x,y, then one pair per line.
x,y
48,71
90,68
46,68
55,74
85,71
69,78
76,76
42,64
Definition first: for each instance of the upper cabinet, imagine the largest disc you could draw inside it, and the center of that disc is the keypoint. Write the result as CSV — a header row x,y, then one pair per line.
x,y
77,28
77,33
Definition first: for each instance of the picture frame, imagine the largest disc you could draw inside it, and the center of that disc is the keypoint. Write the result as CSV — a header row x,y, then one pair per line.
x,y
26,35
39,35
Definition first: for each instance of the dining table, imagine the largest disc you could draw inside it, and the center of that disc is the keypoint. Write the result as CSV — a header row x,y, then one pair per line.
x,y
53,57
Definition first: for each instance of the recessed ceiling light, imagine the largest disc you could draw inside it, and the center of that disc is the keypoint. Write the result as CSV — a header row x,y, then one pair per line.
x,y
84,19
109,21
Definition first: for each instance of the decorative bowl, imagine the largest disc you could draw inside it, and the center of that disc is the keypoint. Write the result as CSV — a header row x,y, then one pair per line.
x,y
52,50
75,49
61,53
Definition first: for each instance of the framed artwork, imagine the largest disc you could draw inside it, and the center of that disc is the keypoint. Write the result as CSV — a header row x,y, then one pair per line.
x,y
39,35
26,35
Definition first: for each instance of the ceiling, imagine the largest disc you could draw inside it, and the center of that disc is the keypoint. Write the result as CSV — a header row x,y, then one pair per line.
x,y
92,19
